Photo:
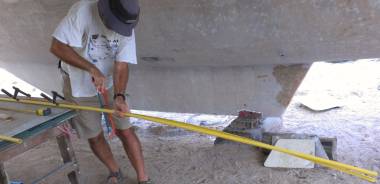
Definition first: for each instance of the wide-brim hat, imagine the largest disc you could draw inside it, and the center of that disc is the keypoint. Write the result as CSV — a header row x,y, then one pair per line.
x,y
120,16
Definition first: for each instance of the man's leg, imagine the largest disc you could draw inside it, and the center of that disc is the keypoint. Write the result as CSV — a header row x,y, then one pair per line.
x,y
102,150
88,126
132,147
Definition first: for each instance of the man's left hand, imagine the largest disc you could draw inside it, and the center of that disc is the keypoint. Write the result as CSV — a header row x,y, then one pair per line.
x,y
120,106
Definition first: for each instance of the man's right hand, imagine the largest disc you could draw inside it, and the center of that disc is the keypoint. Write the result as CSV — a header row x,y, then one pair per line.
x,y
69,56
98,79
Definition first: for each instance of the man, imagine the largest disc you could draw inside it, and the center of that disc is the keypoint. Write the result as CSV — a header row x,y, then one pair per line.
x,y
96,41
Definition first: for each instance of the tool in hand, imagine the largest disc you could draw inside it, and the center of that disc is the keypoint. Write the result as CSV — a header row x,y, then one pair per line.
x,y
103,101
111,128
38,112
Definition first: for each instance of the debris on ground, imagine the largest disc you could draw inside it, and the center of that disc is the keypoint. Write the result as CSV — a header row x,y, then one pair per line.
x,y
320,103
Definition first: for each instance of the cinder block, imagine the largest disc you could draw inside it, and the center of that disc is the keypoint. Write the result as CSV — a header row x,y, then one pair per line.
x,y
247,124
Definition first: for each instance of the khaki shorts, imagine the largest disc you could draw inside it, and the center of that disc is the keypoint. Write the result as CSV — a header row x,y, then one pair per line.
x,y
88,123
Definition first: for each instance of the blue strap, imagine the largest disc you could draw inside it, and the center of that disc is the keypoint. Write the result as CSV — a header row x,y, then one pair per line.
x,y
108,124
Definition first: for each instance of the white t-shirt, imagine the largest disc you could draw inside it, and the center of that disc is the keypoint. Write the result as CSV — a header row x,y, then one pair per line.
x,y
83,29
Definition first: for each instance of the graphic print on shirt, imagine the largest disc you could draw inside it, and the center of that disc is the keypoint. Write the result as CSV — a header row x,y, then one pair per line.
x,y
102,49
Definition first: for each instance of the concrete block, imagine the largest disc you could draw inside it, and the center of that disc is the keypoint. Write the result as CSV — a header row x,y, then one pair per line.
x,y
247,124
256,134
246,120
281,160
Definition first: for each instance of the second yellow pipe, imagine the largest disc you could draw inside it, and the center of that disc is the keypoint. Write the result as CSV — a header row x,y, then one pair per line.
x,y
10,139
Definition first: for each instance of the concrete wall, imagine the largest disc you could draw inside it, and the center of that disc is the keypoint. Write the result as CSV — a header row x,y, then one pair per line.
x,y
222,42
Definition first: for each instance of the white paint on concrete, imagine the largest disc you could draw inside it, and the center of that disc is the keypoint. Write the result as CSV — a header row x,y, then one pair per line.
x,y
272,124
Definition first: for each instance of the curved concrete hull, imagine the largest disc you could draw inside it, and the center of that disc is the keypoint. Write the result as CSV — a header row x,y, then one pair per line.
x,y
216,90
206,55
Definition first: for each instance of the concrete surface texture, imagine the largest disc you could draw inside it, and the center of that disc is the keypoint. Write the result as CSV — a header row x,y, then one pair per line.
x,y
204,33
281,160
219,90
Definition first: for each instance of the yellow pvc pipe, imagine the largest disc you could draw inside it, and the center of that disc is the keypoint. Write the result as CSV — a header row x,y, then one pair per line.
x,y
10,139
17,110
359,172
328,163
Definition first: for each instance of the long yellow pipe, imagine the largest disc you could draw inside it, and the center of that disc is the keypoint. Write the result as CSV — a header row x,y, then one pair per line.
x,y
17,110
359,172
10,139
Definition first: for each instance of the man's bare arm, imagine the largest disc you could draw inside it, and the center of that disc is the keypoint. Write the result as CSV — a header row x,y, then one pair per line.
x,y
69,56
120,82
120,78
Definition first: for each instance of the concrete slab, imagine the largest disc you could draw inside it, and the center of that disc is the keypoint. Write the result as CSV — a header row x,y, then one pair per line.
x,y
319,149
325,146
281,160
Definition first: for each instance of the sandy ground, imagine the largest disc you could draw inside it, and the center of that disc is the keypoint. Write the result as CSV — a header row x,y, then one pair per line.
x,y
174,156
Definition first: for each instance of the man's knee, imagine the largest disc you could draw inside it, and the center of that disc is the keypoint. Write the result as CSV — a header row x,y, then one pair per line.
x,y
125,134
96,139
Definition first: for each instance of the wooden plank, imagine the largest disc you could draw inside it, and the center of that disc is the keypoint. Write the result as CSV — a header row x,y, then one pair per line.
x,y
35,130
68,155
28,144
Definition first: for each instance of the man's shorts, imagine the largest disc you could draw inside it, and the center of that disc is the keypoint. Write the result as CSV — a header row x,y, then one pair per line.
x,y
88,123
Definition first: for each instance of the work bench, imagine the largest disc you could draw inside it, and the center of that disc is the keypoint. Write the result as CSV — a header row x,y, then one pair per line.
x,y
35,130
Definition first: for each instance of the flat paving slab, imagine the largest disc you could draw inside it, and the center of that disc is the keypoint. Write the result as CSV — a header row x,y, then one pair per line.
x,y
282,160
